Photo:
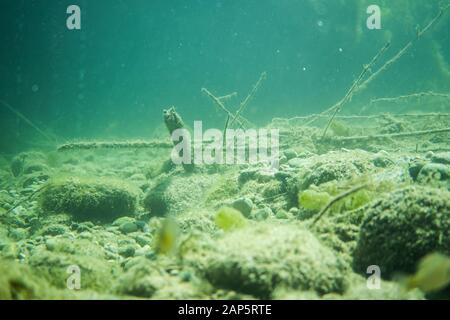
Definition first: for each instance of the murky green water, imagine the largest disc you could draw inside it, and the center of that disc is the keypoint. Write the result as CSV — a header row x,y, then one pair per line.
x,y
351,202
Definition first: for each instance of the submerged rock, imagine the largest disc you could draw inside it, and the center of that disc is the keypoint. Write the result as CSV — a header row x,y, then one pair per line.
x,y
443,157
89,198
28,162
434,172
172,195
401,228
256,260
143,278
244,205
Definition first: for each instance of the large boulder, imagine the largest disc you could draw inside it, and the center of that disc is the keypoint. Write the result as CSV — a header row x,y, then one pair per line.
x,y
258,259
401,228
172,195
89,198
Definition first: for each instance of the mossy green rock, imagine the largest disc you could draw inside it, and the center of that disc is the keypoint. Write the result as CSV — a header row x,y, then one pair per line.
x,y
401,228
52,260
257,260
143,278
175,194
89,198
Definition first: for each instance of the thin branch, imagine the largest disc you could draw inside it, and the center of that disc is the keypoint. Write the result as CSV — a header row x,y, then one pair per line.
x,y
219,103
42,187
357,117
388,135
255,88
357,86
336,199
336,108
27,121
83,145
412,95
228,96
402,51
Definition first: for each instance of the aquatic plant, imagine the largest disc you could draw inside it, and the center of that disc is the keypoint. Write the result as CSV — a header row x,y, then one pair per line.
x,y
229,219
433,273
340,129
313,200
167,237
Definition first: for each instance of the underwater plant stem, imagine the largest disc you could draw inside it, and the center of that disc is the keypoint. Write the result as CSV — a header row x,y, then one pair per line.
x,y
26,120
412,95
391,135
113,145
357,117
255,88
228,96
402,51
221,106
225,129
355,86
336,199
26,199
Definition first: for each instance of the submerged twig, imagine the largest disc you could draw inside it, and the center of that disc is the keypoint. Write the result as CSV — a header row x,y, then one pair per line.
x,y
388,135
244,103
219,103
402,51
25,199
139,144
228,96
27,121
357,85
338,106
336,199
237,117
357,117
412,95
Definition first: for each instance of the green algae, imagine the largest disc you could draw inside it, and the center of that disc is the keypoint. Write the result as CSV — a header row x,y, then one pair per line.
x,y
229,219
89,198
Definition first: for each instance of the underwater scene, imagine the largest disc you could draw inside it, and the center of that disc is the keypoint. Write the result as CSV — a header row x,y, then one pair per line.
x,y
225,149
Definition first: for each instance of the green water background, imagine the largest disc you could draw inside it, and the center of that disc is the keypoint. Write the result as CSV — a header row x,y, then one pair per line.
x,y
131,59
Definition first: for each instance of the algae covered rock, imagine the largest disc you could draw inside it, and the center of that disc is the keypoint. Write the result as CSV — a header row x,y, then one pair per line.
x,y
143,278
256,260
28,162
244,205
89,198
432,173
17,282
172,195
52,260
328,171
401,228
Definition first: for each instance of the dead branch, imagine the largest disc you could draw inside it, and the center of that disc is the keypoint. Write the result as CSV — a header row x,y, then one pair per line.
x,y
219,103
336,199
251,94
84,145
388,135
